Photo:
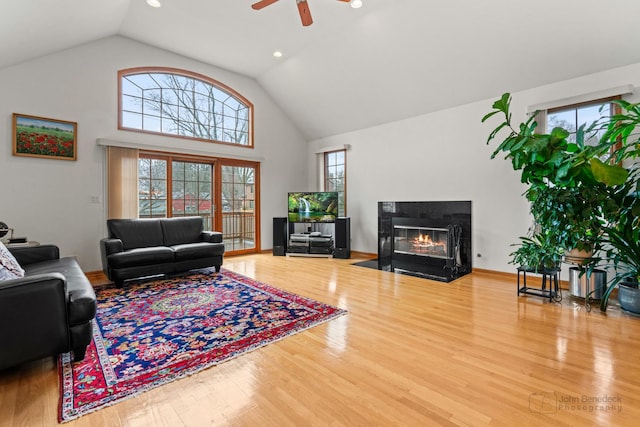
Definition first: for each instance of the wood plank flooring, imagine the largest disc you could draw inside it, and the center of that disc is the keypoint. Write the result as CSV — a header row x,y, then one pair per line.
x,y
411,352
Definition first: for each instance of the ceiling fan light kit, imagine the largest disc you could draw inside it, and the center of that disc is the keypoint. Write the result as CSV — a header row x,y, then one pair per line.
x,y
303,8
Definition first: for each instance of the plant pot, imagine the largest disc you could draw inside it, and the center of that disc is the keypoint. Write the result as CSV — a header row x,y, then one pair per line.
x,y
577,256
578,283
629,297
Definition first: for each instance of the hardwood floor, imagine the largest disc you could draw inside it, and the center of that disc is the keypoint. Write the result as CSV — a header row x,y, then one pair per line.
x,y
411,352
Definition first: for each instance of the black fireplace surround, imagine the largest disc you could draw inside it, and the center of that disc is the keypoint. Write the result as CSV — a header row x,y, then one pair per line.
x,y
425,239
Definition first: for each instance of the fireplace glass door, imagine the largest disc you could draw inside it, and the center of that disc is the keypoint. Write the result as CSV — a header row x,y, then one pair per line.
x,y
422,241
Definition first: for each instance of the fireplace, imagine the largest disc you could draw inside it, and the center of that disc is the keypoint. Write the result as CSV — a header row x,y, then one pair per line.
x,y
426,239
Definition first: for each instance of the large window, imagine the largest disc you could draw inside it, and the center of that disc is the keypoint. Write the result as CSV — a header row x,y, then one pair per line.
x,y
185,104
335,177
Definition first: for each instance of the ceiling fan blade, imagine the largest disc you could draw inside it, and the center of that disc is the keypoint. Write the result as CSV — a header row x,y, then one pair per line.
x,y
305,14
262,3
346,1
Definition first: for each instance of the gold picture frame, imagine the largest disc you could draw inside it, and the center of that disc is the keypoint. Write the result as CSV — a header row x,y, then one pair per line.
x,y
35,136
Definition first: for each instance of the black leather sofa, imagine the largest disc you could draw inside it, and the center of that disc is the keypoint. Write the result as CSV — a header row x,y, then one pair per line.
x,y
151,246
48,311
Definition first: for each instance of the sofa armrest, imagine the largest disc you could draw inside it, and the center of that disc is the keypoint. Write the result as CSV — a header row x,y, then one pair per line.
x,y
108,246
211,237
111,245
33,312
32,254
82,302
27,284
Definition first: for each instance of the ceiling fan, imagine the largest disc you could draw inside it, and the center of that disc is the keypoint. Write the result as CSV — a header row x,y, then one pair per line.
x,y
303,9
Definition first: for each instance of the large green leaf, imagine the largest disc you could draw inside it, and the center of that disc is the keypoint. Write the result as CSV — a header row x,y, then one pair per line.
x,y
608,174
559,133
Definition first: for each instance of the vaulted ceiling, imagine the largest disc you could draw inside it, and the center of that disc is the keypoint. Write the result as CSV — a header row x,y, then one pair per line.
x,y
353,68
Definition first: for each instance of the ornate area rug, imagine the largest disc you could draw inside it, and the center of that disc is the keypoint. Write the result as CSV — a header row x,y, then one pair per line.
x,y
156,331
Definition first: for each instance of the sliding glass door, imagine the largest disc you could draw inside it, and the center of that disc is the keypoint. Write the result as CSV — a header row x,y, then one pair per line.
x,y
223,192
239,207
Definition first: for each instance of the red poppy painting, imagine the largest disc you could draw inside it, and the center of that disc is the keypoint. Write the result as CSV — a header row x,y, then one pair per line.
x,y
39,137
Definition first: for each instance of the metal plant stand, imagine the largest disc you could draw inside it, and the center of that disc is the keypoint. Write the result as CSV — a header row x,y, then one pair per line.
x,y
550,276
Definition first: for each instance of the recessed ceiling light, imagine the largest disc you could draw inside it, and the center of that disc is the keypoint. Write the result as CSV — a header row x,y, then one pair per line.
x,y
154,3
356,4
277,54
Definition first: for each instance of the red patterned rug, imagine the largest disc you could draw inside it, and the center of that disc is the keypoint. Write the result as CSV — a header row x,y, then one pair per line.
x,y
156,331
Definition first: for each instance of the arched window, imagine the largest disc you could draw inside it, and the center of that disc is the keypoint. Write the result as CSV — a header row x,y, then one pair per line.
x,y
181,103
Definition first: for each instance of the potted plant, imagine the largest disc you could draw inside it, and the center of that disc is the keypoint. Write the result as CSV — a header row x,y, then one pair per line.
x,y
569,185
537,253
623,233
623,249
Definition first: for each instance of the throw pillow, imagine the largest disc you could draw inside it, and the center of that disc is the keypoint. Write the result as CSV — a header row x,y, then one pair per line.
x,y
9,267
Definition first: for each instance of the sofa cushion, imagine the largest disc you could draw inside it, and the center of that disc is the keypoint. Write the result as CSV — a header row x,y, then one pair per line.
x,y
136,233
178,231
197,250
9,267
141,256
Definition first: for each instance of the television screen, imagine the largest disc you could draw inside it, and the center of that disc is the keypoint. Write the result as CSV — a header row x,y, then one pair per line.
x,y
318,206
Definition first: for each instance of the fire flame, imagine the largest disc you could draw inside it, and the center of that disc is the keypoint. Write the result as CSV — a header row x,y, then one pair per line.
x,y
424,239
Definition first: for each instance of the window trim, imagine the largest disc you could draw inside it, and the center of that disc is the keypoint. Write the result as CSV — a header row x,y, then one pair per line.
x,y
194,75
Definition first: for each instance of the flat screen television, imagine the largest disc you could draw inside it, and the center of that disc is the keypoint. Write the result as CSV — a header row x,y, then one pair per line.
x,y
316,206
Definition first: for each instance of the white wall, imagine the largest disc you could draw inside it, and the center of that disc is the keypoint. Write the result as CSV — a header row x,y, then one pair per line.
x,y
444,156
51,200
438,156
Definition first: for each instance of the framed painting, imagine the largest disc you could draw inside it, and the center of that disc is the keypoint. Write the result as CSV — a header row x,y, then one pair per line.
x,y
48,138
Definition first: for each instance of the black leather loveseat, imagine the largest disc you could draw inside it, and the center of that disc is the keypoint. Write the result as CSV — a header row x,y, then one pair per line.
x,y
48,311
151,246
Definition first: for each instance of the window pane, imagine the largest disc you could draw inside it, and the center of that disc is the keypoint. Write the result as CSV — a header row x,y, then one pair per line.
x,y
590,114
159,188
563,119
152,123
169,127
130,88
169,97
131,120
204,172
191,171
130,103
178,170
178,188
158,168
144,168
330,160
